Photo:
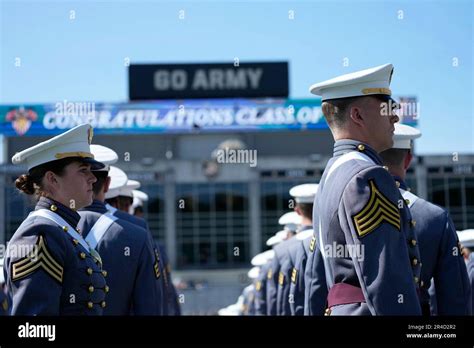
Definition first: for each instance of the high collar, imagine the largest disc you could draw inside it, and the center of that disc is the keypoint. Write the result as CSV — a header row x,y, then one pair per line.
x,y
97,206
304,228
344,146
400,183
69,215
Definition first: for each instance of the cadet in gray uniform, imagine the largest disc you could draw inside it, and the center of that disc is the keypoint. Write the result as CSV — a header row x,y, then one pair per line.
x,y
441,258
470,269
4,301
125,249
170,291
319,293
171,294
261,290
304,197
248,306
49,268
366,234
113,206
274,277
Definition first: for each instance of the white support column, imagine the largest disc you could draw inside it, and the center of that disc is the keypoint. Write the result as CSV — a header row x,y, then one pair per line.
x,y
421,174
170,217
255,216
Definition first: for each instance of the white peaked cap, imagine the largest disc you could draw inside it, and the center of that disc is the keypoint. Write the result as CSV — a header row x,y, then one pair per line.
x,y
118,179
262,258
404,135
291,217
304,193
466,238
142,196
276,238
360,83
138,198
104,155
253,273
232,310
127,189
72,143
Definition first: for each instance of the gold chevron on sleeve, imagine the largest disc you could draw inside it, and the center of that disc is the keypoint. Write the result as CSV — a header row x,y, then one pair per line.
x,y
39,257
156,266
379,209
294,275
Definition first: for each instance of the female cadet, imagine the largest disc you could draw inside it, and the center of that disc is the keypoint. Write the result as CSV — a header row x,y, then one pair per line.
x,y
49,268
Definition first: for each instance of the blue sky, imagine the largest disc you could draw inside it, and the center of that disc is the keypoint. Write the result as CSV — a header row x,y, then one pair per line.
x,y
83,58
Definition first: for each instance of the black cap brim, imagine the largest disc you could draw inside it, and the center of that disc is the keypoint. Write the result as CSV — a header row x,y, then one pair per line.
x,y
95,165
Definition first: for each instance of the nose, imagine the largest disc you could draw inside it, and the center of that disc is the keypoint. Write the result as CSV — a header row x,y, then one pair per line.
x,y
92,178
394,119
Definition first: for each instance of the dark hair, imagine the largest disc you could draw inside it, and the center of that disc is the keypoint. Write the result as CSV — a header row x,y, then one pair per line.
x,y
306,209
32,183
113,202
123,201
101,177
393,157
138,209
335,110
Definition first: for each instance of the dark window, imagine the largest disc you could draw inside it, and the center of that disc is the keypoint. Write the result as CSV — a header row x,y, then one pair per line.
x,y
215,218
436,192
154,210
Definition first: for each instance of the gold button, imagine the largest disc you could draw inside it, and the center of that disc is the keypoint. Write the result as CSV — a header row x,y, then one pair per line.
x,y
75,241
78,230
90,305
397,183
414,261
413,242
361,147
407,201
65,228
416,279
327,311
103,304
385,167
409,189
53,207
82,255
89,271
106,289
104,273
91,288
413,223
422,283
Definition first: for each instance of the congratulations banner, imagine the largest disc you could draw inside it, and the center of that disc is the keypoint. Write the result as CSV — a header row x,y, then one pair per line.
x,y
217,115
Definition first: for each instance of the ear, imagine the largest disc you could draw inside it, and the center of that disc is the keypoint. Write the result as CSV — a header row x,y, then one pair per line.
x,y
50,178
107,184
355,114
297,210
407,161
